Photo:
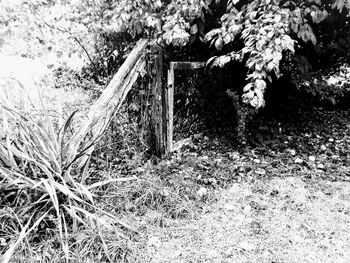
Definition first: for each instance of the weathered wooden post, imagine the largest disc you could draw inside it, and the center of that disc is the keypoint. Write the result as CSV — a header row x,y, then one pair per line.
x,y
169,109
157,120
107,105
163,103
169,99
163,100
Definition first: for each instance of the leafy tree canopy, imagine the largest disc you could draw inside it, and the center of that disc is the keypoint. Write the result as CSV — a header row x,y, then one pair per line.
x,y
259,33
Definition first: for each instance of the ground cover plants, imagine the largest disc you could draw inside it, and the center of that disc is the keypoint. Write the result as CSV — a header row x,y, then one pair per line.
x,y
40,190
210,180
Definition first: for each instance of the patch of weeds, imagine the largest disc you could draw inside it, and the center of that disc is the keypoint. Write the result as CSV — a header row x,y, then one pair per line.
x,y
122,145
149,193
72,79
85,246
42,196
157,198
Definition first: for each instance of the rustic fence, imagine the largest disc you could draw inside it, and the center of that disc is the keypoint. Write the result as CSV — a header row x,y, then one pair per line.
x,y
102,112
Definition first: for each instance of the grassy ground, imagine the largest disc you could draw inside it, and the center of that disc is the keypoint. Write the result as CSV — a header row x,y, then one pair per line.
x,y
277,220
283,198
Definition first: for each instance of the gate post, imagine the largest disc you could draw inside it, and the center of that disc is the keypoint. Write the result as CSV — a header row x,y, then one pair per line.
x,y
157,119
162,103
169,109
163,99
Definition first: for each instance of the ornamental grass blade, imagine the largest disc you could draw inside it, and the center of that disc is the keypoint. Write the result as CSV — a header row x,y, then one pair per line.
x,y
54,199
72,212
116,180
8,254
84,190
53,195
104,245
30,128
126,226
65,127
69,193
15,178
64,242
50,128
4,158
40,141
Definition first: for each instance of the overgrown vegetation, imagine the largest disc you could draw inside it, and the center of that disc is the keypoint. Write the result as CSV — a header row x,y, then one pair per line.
x,y
258,33
42,196
263,57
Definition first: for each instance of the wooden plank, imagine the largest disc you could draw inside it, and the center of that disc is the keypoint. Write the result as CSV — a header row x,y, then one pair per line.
x,y
168,101
157,101
169,109
104,122
188,65
109,102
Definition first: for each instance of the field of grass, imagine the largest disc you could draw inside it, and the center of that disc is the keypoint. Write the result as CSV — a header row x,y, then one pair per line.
x,y
277,220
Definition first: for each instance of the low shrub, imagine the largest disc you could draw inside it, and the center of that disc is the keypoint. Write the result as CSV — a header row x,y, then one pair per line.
x,y
42,196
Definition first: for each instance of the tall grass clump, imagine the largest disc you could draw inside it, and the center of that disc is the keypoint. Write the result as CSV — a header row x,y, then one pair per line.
x,y
43,199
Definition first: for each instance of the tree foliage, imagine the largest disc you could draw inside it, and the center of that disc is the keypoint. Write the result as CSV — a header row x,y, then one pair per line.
x,y
58,32
259,33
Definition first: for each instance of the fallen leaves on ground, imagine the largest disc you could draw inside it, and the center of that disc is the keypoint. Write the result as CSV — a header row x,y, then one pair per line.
x,y
283,198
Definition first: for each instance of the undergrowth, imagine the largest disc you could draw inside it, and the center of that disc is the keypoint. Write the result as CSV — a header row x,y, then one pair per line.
x,y
52,212
44,201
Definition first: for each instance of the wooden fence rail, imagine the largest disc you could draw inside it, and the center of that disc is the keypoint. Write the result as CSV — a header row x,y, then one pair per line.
x,y
168,105
105,108
102,112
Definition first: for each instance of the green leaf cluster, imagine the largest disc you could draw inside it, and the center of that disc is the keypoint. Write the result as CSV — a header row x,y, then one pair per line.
x,y
269,29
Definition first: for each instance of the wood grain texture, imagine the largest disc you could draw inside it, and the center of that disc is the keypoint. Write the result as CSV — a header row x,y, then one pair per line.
x,y
102,112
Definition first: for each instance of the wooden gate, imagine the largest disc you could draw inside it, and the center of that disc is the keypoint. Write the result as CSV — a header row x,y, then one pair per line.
x,y
163,114
105,108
